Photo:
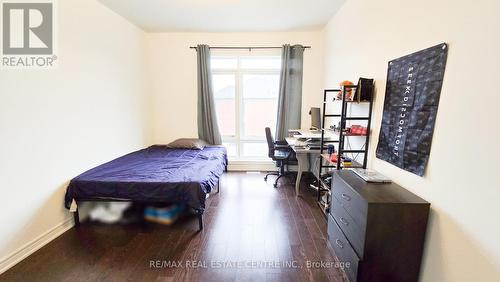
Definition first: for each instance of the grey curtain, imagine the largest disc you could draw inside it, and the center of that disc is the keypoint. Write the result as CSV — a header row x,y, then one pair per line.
x,y
290,91
208,128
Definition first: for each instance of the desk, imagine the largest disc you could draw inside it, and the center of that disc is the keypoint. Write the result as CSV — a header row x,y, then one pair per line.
x,y
303,154
303,160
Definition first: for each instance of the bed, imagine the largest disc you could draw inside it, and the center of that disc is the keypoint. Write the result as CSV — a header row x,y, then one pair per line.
x,y
156,174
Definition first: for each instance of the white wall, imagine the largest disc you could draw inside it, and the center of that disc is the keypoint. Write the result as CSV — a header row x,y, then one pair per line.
x,y
461,181
173,75
55,124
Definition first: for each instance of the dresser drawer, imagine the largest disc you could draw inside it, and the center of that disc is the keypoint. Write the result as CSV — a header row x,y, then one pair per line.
x,y
352,202
354,231
343,250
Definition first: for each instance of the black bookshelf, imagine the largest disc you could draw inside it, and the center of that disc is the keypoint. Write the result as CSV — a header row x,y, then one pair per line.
x,y
323,188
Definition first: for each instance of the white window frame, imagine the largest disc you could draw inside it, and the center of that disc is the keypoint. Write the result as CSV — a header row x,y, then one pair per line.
x,y
238,73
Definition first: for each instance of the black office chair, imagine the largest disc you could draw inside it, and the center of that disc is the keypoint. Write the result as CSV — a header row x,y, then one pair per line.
x,y
280,152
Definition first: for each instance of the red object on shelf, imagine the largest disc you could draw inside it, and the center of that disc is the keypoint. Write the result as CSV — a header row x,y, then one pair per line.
x,y
358,130
333,157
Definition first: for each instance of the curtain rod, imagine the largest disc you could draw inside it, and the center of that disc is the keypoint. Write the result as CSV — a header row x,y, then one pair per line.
x,y
249,47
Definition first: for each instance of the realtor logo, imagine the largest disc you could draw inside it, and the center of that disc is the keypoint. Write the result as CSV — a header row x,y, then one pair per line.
x,y
28,34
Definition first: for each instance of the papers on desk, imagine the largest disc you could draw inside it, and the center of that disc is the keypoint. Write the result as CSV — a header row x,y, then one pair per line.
x,y
305,143
300,144
306,133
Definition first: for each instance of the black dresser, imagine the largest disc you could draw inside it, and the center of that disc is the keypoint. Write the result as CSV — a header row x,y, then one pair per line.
x,y
378,228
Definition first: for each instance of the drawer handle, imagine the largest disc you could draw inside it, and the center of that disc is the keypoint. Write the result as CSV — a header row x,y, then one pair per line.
x,y
339,243
346,197
344,221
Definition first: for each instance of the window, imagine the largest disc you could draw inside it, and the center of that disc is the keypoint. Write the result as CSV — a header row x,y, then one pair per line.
x,y
246,99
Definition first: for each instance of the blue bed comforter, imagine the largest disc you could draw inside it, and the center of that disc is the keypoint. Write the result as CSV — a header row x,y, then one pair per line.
x,y
154,174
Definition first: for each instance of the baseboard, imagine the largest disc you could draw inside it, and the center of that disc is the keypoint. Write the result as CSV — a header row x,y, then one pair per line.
x,y
33,246
251,166
255,166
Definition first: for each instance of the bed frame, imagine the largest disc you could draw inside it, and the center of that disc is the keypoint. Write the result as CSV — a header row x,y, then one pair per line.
x,y
199,212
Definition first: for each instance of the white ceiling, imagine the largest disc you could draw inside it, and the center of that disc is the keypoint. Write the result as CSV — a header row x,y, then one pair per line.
x,y
226,15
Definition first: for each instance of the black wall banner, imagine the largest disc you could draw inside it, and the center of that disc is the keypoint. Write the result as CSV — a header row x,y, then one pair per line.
x,y
410,107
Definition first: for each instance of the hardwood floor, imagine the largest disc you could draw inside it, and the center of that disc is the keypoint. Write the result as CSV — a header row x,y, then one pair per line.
x,y
253,232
